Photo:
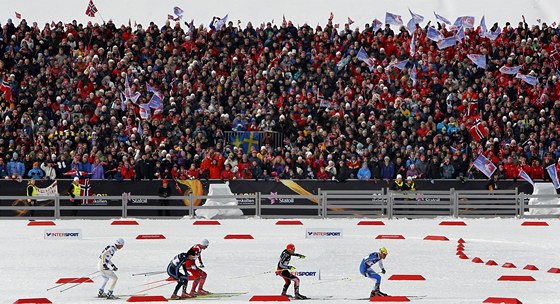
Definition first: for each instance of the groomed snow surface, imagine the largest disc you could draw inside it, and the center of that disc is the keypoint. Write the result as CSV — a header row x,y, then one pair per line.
x,y
30,264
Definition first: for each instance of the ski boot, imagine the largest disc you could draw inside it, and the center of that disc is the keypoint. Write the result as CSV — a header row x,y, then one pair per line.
x,y
300,297
111,296
202,292
186,295
174,297
101,294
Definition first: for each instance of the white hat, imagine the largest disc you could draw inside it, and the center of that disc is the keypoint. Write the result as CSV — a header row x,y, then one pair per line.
x,y
119,242
409,178
205,243
76,179
399,176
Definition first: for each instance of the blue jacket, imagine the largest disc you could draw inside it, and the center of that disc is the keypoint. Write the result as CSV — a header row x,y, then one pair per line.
x,y
16,167
369,261
36,173
364,174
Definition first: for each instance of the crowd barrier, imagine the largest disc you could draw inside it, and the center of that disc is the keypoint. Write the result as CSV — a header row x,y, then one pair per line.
x,y
384,203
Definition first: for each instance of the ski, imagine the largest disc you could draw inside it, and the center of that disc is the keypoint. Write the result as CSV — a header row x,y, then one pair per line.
x,y
212,296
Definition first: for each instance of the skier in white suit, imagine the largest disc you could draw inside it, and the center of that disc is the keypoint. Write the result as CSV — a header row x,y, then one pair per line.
x,y
106,272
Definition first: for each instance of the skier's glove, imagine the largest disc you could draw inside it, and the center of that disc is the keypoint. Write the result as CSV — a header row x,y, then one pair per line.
x,y
115,268
201,265
365,274
383,271
292,268
105,267
301,256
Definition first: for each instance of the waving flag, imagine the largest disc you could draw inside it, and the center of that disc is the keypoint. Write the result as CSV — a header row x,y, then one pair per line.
x,y
494,35
553,175
399,65
350,21
157,99
411,26
434,34
483,28
128,92
412,45
18,15
532,80
526,177
460,34
442,19
413,75
221,23
478,132
363,56
91,9
377,25
479,60
342,63
464,21
510,70
484,165
446,42
416,17
178,12
6,89
145,111
393,19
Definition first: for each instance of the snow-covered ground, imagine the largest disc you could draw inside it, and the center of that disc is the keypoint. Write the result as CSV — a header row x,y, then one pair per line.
x,y
30,264
257,11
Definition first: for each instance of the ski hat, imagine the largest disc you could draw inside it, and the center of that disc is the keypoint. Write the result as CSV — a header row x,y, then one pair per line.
x,y
383,250
205,243
290,247
119,242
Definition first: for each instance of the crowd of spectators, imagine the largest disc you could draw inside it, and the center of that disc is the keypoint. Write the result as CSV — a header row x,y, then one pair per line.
x,y
62,107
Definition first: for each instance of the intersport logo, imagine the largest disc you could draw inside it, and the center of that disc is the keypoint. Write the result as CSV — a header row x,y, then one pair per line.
x,y
323,233
62,234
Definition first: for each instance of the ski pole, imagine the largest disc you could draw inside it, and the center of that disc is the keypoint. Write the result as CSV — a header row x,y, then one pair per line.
x,y
158,286
150,283
150,273
337,280
75,285
72,281
252,275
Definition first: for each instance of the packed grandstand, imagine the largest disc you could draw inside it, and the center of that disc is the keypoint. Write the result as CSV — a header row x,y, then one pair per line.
x,y
265,101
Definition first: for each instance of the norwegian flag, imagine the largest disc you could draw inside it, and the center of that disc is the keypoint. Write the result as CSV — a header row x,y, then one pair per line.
x,y
478,131
6,89
76,172
18,15
91,9
85,188
284,22
53,25
331,16
350,21
553,24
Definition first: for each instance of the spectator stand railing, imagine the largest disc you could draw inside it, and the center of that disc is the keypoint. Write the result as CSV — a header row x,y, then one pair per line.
x,y
346,203
326,204
483,203
275,139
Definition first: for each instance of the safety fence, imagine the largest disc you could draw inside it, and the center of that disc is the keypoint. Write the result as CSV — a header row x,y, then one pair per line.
x,y
325,204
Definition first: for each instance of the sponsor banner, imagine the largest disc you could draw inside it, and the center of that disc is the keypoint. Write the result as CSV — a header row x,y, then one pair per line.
x,y
308,273
323,233
63,234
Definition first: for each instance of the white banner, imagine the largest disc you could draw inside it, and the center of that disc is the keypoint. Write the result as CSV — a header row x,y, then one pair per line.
x,y
51,190
63,234
324,233
308,273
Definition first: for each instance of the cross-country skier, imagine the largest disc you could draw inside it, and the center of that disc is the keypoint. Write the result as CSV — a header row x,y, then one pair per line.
x,y
284,269
106,272
174,271
366,269
199,276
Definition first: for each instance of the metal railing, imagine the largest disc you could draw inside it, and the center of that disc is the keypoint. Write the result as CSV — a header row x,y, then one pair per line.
x,y
326,204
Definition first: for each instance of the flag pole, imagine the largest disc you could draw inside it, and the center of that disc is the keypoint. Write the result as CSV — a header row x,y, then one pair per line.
x,y
101,17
